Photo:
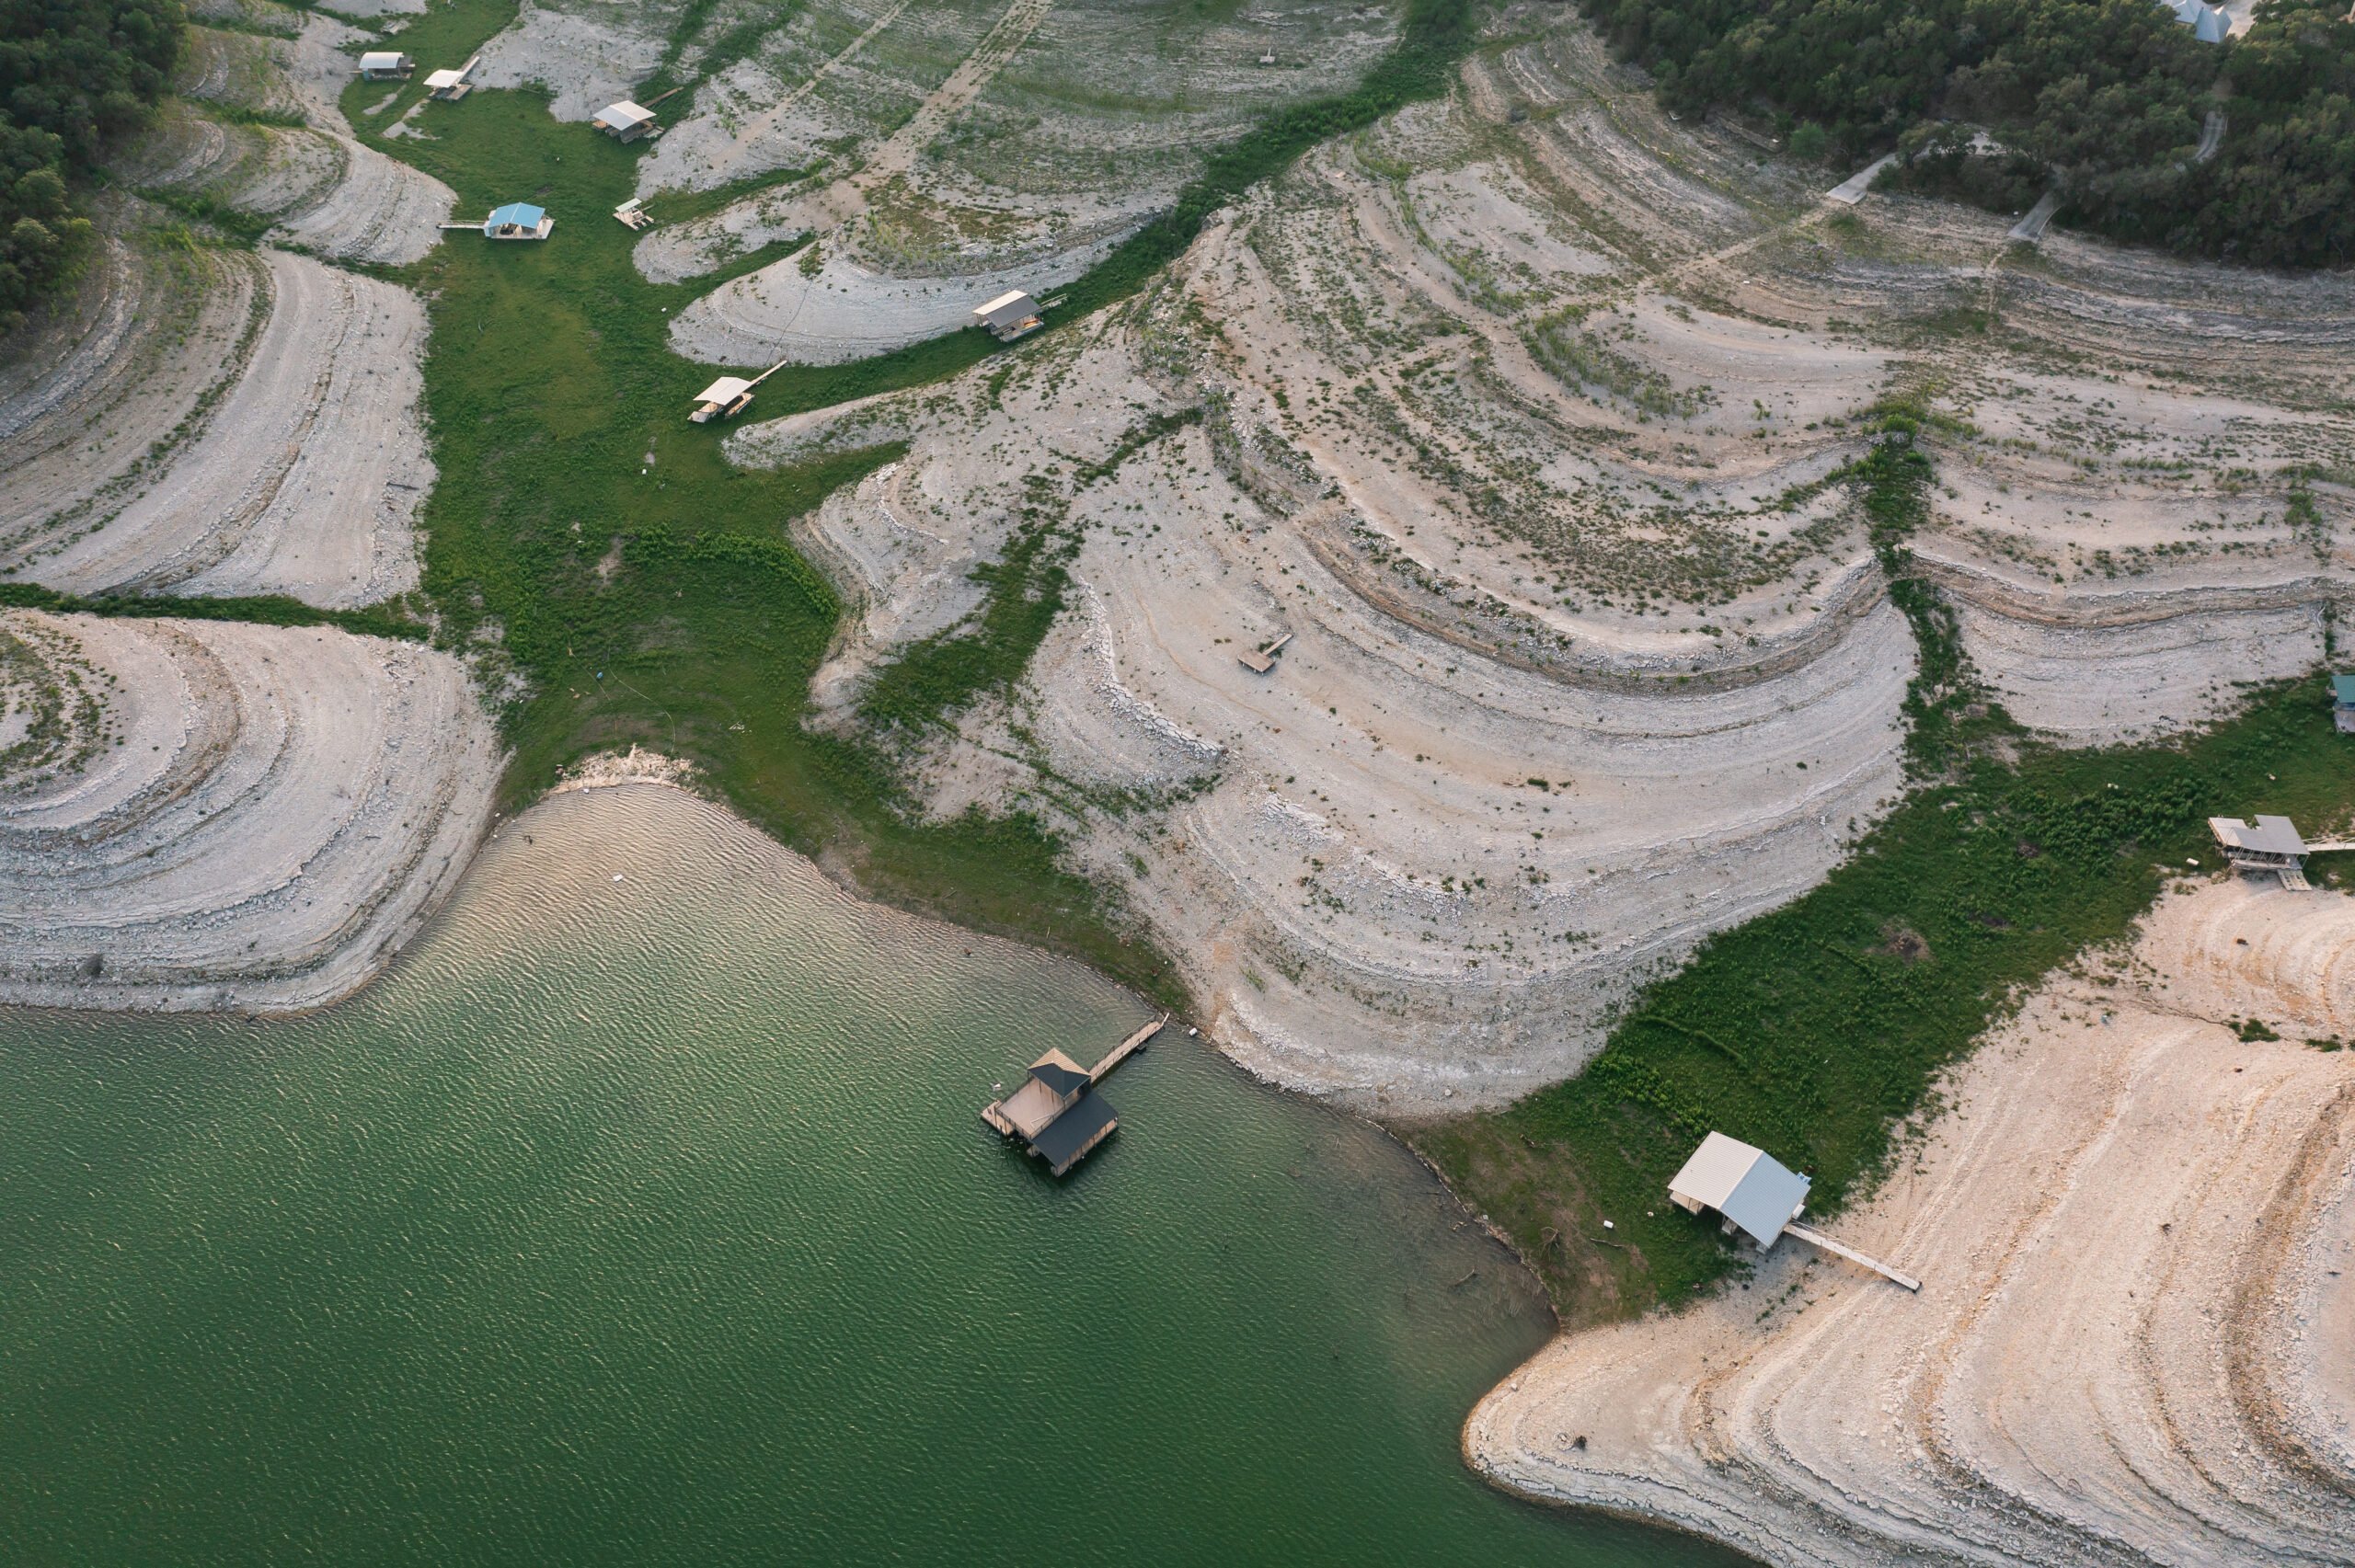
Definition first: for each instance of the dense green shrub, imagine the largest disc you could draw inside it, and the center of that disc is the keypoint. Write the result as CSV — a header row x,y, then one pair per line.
x,y
73,72
2105,99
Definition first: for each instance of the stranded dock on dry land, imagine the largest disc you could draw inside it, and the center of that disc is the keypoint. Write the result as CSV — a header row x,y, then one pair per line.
x,y
1057,1111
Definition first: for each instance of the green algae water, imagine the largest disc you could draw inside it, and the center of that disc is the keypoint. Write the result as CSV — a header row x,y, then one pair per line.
x,y
642,1215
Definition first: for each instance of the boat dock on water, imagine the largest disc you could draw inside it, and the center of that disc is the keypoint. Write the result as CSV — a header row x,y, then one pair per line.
x,y
1057,1112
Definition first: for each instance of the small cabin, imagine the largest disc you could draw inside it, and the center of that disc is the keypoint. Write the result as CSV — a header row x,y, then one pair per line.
x,y
384,65
1009,315
723,399
452,85
1755,1193
633,215
1748,1188
1057,1112
518,220
2270,843
625,121
2342,703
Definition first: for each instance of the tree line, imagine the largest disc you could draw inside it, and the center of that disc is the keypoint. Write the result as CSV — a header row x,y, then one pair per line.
x,y
72,75
1995,101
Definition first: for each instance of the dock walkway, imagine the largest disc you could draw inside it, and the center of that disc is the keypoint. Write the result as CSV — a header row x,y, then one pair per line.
x,y
1126,1048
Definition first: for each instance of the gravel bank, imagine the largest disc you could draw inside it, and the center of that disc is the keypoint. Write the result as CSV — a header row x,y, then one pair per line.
x,y
218,815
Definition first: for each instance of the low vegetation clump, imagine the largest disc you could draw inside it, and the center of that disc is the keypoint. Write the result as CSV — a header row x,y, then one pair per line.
x,y
2107,101
72,75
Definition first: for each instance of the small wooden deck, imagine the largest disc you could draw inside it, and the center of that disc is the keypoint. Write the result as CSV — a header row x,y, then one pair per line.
x,y
1261,659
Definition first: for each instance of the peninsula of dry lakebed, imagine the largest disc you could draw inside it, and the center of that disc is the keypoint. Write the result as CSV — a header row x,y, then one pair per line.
x,y
1491,579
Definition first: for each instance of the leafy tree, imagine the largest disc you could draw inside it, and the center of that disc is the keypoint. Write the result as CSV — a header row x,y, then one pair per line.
x,y
1995,101
73,72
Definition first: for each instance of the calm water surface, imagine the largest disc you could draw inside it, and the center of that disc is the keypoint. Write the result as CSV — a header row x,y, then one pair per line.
x,y
649,1221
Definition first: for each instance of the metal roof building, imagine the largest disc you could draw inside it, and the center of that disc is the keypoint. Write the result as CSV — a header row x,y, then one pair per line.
x,y
1749,1187
1009,315
1057,1111
624,122
380,65
518,220
2269,837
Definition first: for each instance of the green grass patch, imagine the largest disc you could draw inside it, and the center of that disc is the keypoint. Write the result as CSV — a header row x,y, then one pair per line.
x,y
391,618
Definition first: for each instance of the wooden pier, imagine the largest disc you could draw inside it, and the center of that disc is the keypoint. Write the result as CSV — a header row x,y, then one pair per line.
x,y
1126,1048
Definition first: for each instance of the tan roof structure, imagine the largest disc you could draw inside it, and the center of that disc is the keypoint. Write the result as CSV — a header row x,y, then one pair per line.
x,y
1009,315
1261,659
1747,1185
1057,1111
625,121
451,86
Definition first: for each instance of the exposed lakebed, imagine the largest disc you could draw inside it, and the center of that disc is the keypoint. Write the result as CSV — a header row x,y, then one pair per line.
x,y
649,1220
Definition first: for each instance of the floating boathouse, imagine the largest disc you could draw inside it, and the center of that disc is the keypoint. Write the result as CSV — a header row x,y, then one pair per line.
x,y
1057,1112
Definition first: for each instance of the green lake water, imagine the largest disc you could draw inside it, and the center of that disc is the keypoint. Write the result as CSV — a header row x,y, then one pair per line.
x,y
649,1220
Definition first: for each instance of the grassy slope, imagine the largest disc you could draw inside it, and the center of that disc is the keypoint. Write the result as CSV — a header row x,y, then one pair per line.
x,y
549,378
1814,1032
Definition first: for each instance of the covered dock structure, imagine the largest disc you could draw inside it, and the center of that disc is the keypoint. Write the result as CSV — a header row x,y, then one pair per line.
x,y
726,397
518,220
626,121
1757,1195
2269,843
1262,658
1009,315
723,399
1057,1112
452,85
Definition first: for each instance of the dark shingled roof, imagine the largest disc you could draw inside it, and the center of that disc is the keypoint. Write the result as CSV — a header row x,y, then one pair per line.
x,y
1062,1140
1062,1080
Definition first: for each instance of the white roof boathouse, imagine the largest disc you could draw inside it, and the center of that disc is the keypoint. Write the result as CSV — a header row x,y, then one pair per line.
x,y
1755,1194
626,121
723,399
452,85
385,66
1010,315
